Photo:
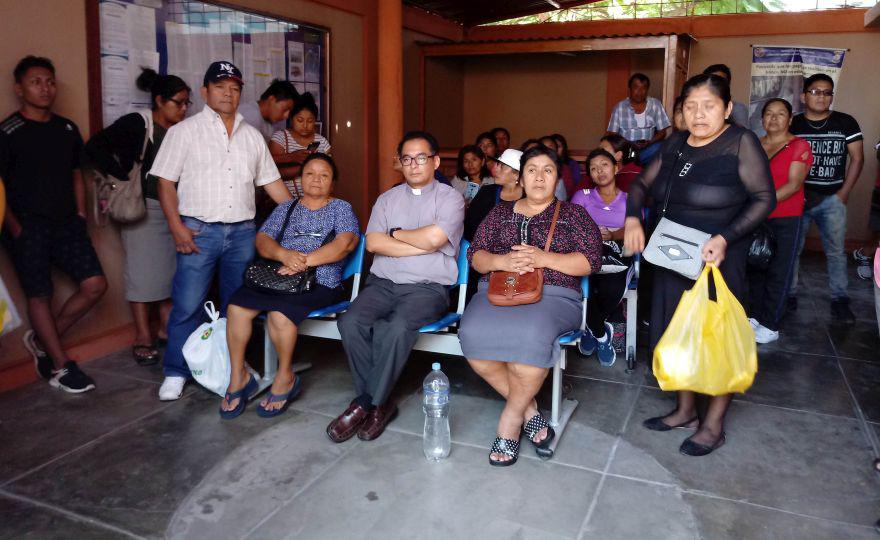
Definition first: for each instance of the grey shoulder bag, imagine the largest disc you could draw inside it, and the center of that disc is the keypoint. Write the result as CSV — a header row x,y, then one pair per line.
x,y
675,246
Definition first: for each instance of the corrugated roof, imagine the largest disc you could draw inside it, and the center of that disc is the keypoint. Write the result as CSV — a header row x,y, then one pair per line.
x,y
472,13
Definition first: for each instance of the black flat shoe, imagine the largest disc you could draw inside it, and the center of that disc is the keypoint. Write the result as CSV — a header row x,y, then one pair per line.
x,y
691,448
657,424
508,447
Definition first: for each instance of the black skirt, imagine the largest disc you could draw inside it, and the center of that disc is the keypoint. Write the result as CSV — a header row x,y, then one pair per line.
x,y
295,307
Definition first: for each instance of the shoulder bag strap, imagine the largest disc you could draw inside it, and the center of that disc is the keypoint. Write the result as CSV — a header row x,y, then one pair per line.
x,y
672,176
280,235
553,226
148,121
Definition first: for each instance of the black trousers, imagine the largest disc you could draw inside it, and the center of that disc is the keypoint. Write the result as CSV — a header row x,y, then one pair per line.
x,y
606,292
381,327
768,289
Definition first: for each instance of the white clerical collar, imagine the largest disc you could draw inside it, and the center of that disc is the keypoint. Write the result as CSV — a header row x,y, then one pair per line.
x,y
415,191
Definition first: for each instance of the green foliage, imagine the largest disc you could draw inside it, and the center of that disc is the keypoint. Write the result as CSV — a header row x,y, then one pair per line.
x,y
644,9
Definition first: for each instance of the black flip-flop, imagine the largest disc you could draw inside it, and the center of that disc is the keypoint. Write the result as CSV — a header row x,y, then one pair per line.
x,y
148,359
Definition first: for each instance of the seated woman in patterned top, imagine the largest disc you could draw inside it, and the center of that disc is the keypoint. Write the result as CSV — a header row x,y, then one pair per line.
x,y
512,348
315,217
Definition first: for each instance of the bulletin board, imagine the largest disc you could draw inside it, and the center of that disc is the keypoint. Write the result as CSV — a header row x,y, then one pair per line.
x,y
182,37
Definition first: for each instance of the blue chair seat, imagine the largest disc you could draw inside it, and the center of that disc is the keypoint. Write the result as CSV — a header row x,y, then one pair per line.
x,y
330,310
570,337
449,319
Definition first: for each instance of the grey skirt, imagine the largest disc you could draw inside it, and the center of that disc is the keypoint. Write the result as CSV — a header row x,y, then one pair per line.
x,y
150,256
522,334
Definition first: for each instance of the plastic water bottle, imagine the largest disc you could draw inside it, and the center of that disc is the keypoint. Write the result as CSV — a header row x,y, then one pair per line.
x,y
436,439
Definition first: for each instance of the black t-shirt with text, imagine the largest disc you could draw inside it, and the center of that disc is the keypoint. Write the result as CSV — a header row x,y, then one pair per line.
x,y
828,140
37,160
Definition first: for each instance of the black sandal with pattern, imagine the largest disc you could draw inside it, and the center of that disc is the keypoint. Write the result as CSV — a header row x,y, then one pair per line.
x,y
536,424
508,447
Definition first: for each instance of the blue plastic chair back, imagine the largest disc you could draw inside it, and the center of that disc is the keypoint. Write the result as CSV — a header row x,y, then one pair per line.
x,y
355,261
585,286
463,268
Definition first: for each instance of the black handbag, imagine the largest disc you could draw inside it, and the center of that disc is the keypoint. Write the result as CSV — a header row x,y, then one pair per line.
x,y
763,247
262,274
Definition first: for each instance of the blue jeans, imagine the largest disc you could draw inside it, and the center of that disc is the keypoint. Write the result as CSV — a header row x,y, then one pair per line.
x,y
830,217
227,246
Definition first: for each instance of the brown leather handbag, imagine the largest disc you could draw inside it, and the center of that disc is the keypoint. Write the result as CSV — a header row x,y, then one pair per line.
x,y
513,289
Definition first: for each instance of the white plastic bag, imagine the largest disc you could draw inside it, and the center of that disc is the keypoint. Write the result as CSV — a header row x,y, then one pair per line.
x,y
207,354
9,318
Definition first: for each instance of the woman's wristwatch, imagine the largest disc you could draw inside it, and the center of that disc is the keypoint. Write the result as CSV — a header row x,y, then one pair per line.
x,y
393,230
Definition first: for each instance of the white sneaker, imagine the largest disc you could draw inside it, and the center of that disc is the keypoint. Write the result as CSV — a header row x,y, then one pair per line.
x,y
754,323
765,335
172,388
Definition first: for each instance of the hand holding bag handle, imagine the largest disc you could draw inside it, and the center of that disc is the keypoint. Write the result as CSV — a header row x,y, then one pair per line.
x,y
513,289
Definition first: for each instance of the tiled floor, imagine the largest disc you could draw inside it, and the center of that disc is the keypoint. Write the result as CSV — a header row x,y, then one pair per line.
x,y
118,463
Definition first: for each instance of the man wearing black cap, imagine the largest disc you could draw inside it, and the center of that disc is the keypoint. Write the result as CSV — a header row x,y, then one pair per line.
x,y
215,159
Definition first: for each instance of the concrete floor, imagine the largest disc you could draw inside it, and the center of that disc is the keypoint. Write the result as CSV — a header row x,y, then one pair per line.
x,y
117,463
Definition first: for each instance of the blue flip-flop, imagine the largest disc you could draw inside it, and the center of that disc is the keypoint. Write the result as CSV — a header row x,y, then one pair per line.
x,y
273,398
243,395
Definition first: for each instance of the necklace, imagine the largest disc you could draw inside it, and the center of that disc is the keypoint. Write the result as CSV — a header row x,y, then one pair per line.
x,y
814,126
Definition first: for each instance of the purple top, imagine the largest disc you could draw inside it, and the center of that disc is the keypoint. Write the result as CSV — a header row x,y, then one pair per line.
x,y
407,208
575,233
308,228
609,215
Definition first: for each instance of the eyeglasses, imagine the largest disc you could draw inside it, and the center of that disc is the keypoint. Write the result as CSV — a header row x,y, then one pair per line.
x,y
180,103
816,92
420,159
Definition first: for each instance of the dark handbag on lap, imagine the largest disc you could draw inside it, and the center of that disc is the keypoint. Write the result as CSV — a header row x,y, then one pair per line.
x,y
513,289
262,274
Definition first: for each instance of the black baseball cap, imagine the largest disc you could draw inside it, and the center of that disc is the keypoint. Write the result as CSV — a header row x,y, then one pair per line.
x,y
222,70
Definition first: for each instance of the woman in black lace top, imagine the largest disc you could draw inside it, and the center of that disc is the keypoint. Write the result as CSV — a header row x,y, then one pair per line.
x,y
722,186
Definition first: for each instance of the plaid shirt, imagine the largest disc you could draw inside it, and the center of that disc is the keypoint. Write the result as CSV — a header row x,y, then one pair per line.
x,y
215,173
623,120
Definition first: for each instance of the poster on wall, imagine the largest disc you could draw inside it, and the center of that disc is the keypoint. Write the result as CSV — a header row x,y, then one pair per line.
x,y
183,37
779,71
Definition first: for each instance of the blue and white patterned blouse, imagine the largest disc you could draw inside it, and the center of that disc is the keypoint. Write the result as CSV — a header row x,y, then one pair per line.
x,y
308,228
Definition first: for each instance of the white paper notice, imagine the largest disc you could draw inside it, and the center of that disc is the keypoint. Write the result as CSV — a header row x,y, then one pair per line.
x,y
137,62
115,87
220,47
313,63
141,28
178,48
276,64
296,61
114,29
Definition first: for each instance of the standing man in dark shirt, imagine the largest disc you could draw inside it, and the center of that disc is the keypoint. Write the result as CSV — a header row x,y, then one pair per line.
x,y
832,136
45,222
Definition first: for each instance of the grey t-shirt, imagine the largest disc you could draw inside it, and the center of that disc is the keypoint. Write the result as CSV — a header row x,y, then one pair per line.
x,y
740,114
251,113
406,208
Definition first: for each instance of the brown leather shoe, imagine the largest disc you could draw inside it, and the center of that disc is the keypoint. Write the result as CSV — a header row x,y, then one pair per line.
x,y
346,424
376,421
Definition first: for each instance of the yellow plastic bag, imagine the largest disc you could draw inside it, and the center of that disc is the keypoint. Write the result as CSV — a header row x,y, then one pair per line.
x,y
709,345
